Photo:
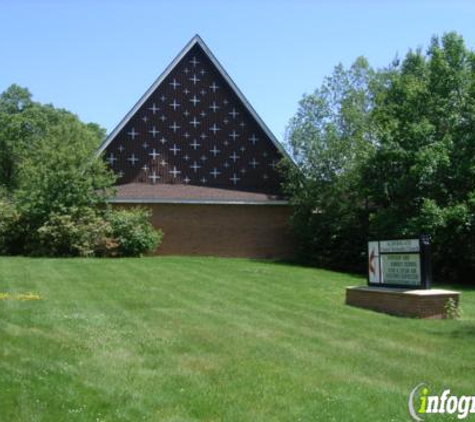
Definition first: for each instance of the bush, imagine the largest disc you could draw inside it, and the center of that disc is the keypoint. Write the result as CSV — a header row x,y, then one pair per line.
x,y
133,231
9,218
80,233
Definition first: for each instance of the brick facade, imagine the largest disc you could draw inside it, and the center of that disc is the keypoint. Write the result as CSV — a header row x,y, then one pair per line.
x,y
402,302
250,231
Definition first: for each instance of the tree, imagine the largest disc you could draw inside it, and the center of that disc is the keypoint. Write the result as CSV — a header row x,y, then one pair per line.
x,y
422,176
62,174
331,139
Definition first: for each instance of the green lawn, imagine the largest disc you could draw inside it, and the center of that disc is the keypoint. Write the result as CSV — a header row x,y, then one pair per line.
x,y
188,339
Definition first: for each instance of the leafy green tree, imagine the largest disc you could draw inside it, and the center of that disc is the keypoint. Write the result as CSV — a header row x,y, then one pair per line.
x,y
64,173
331,139
422,175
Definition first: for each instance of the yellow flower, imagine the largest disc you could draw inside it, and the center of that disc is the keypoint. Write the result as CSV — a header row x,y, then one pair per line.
x,y
28,296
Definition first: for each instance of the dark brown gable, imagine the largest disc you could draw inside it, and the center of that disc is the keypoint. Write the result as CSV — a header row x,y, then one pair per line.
x,y
193,129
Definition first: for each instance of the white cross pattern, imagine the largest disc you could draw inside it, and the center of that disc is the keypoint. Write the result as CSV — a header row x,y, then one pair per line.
x,y
215,151
175,149
153,131
175,84
154,177
253,139
195,144
214,87
214,107
194,62
154,108
203,180
194,79
145,168
133,134
203,158
175,105
163,141
194,122
214,128
186,157
111,159
215,173
154,154
145,145
195,166
174,172
162,118
133,159
145,119
233,135
187,180
234,157
120,174
273,164
203,136
235,179
233,113
174,127
195,100
121,148
253,163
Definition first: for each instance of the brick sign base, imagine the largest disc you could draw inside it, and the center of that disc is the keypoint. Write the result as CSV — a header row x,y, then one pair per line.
x,y
402,302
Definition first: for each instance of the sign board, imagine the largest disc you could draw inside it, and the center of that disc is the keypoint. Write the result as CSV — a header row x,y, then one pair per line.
x,y
400,263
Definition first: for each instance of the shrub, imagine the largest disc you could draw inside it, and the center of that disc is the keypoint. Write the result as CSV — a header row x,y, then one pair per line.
x,y
79,233
133,231
11,232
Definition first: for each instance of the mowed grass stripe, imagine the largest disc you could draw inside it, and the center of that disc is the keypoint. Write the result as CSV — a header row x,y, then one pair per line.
x,y
179,339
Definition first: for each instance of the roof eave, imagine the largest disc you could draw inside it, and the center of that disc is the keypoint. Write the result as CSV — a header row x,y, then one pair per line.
x,y
195,201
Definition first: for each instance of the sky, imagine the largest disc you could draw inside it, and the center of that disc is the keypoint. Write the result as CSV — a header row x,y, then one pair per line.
x,y
97,57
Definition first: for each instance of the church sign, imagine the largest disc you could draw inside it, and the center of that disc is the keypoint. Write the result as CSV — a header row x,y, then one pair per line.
x,y
400,263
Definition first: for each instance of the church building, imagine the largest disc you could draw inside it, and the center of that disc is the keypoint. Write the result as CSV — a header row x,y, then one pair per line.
x,y
196,153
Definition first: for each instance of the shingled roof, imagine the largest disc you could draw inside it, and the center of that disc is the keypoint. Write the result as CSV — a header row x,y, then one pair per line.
x,y
193,137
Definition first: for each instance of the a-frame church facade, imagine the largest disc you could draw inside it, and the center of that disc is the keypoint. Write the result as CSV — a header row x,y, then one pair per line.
x,y
195,151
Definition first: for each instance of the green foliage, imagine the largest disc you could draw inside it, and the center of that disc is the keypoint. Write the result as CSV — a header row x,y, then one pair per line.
x,y
422,176
331,139
389,153
133,231
64,173
9,219
56,187
81,232
452,310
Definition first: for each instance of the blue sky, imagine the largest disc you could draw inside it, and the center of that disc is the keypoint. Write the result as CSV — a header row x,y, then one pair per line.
x,y
96,58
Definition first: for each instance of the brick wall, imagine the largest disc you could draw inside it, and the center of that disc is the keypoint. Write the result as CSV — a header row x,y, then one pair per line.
x,y
410,303
254,231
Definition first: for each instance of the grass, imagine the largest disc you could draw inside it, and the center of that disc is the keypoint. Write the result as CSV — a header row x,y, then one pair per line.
x,y
204,339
